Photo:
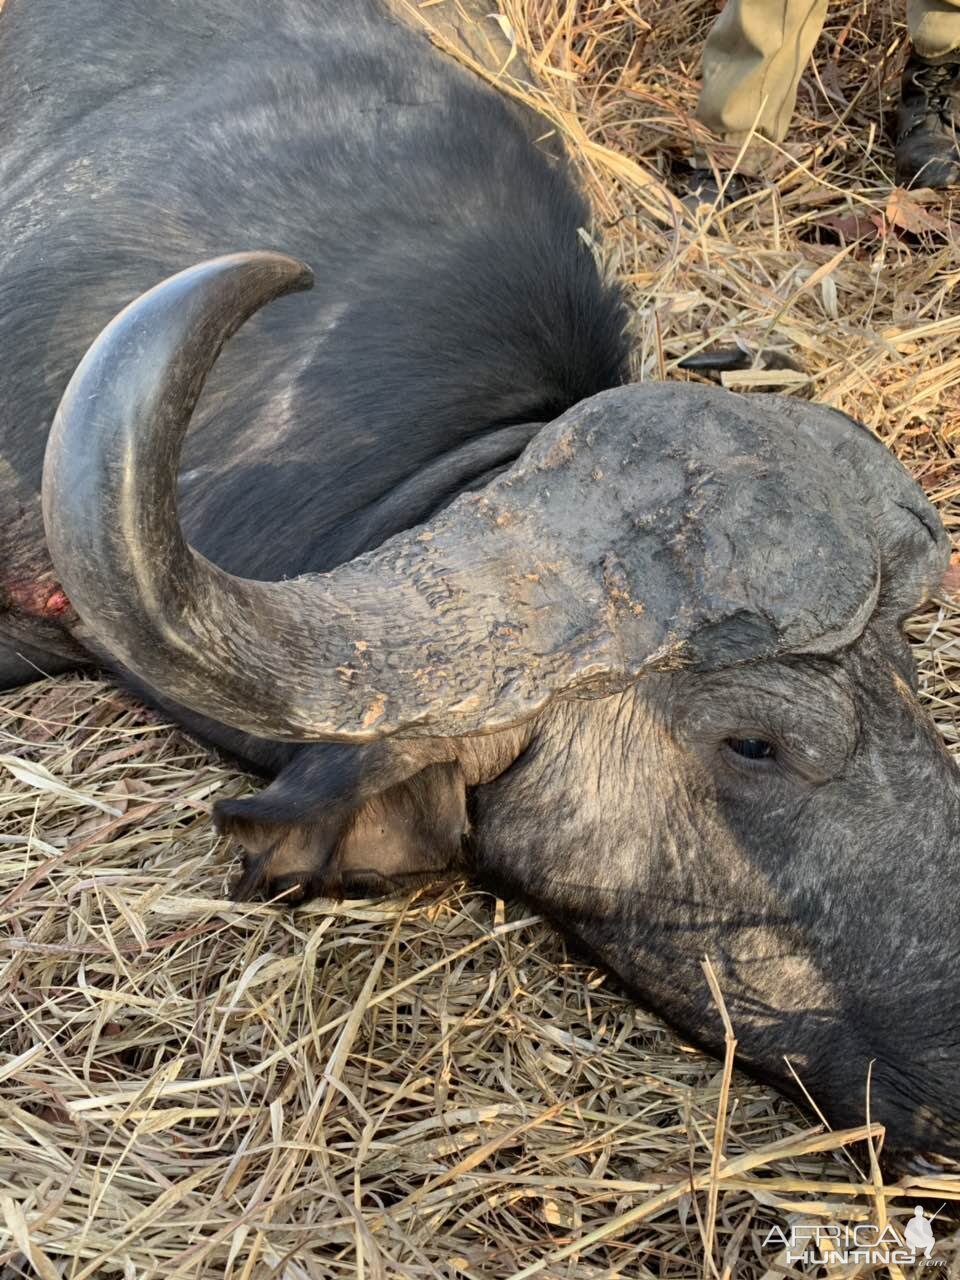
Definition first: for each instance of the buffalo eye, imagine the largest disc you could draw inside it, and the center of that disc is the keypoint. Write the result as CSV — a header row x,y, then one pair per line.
x,y
752,748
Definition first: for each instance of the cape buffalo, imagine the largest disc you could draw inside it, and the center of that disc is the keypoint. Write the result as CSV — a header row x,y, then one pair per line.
x,y
466,598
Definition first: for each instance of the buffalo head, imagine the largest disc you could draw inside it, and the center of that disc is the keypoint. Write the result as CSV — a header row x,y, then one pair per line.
x,y
664,653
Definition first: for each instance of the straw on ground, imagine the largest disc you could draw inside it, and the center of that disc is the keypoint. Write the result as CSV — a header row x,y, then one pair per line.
x,y
434,1087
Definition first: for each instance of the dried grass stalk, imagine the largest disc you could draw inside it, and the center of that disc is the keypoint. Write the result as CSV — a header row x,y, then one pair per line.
x,y
433,1087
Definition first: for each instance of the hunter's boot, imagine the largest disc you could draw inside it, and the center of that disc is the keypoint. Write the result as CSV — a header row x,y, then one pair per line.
x,y
927,150
701,187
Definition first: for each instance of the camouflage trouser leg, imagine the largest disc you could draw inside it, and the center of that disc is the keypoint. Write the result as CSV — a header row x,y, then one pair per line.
x,y
752,64
757,50
934,27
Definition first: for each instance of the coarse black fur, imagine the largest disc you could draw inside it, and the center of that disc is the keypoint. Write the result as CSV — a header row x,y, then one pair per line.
x,y
456,308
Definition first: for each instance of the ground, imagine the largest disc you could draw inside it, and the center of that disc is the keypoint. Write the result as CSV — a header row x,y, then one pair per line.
x,y
434,1087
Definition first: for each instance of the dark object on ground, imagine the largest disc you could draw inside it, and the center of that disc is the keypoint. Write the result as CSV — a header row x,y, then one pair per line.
x,y
733,359
702,187
927,150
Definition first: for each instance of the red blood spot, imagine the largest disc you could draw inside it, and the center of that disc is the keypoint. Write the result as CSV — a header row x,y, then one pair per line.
x,y
57,602
37,599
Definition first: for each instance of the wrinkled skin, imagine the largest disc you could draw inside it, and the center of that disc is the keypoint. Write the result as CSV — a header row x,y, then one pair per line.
x,y
779,868
824,894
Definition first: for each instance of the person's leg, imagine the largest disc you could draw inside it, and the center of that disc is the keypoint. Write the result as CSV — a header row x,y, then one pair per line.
x,y
928,121
752,63
934,27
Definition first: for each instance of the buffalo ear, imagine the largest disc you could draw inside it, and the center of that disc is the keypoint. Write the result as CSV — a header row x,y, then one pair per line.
x,y
408,835
404,835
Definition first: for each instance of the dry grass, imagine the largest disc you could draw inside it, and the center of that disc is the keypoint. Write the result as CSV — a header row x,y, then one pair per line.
x,y
432,1087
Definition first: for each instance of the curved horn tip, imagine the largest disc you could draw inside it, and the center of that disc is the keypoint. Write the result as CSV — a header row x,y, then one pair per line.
x,y
110,468
259,275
